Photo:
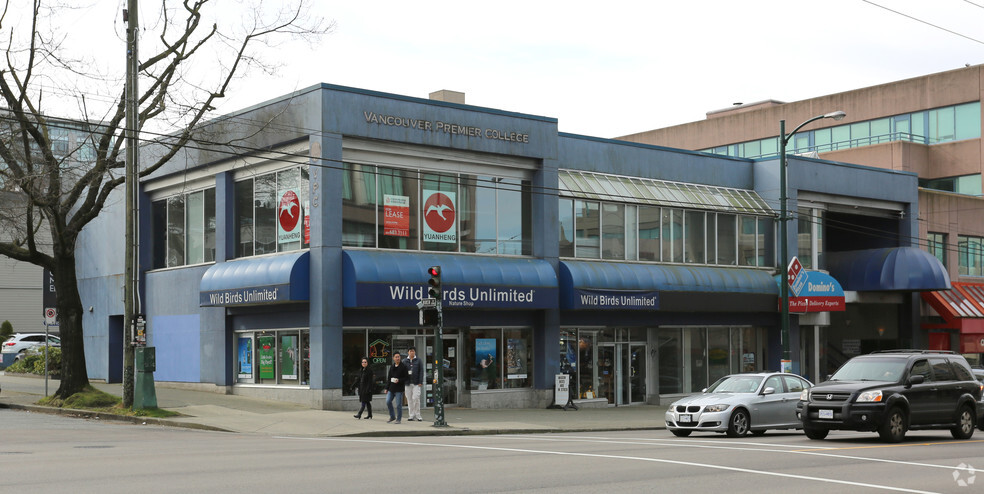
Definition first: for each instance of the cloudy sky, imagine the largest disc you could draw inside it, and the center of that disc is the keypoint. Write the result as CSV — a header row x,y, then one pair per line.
x,y
616,67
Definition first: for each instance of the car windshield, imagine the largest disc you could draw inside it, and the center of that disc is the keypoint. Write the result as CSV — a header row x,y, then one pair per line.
x,y
736,384
879,369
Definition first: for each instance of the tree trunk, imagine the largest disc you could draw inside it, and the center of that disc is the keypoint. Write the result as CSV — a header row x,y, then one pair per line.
x,y
74,376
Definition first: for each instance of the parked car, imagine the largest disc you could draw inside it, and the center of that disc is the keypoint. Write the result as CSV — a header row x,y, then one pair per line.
x,y
740,404
21,343
892,392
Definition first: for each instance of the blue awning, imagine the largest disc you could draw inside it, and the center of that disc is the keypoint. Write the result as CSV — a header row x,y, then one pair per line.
x,y
612,285
398,279
260,280
888,269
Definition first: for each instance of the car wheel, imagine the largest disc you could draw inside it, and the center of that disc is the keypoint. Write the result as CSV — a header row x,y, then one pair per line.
x,y
816,434
680,433
965,424
893,428
738,424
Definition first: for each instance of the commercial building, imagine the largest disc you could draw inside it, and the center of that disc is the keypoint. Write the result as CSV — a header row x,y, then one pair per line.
x,y
294,239
929,125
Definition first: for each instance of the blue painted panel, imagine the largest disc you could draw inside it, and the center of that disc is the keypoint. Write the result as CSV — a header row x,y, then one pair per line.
x,y
178,343
394,279
889,269
578,278
262,280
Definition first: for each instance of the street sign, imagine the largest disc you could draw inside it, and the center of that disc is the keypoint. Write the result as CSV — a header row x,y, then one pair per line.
x,y
50,316
427,303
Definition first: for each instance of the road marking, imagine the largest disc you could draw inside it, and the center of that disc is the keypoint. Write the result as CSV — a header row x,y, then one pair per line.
x,y
682,440
685,444
615,457
899,445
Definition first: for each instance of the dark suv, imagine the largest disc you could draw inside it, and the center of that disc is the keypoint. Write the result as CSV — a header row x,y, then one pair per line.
x,y
894,391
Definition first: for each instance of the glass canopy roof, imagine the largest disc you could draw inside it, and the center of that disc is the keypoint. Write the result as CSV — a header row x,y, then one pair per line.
x,y
603,187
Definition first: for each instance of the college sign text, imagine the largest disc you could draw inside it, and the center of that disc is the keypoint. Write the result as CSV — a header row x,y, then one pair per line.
x,y
450,128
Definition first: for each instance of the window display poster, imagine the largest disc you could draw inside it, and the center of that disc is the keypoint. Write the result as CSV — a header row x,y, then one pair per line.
x,y
289,217
515,358
288,357
245,345
396,215
266,353
485,357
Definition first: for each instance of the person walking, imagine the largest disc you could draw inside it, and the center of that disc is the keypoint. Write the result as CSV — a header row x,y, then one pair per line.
x,y
415,371
396,379
364,387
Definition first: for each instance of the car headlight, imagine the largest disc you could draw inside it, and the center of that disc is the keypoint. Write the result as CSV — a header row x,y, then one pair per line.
x,y
716,408
870,397
805,395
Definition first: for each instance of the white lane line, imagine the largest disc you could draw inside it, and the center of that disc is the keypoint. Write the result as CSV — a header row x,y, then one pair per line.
x,y
681,444
616,457
685,441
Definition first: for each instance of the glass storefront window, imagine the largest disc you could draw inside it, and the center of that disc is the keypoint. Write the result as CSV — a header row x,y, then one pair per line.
x,y
746,241
176,231
359,206
513,212
477,209
726,239
195,228
183,229
672,221
398,189
485,366
649,245
519,358
272,212
694,237
613,231
566,220
244,218
586,224
273,357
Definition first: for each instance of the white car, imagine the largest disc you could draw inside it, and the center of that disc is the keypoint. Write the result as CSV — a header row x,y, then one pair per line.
x,y
21,343
740,404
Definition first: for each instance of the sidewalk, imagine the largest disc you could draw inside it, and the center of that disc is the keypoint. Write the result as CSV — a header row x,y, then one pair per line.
x,y
230,413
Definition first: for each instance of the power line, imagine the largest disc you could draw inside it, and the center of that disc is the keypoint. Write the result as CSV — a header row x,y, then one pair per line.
x,y
924,22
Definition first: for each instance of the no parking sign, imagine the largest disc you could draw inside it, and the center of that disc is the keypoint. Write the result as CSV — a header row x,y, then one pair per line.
x,y
50,316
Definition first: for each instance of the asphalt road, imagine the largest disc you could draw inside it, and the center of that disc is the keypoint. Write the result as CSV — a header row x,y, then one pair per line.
x,y
46,453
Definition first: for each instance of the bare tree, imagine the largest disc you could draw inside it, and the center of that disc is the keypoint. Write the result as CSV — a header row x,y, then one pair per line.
x,y
57,171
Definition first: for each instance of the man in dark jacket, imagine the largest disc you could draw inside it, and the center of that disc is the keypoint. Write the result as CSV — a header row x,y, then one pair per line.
x,y
396,380
415,368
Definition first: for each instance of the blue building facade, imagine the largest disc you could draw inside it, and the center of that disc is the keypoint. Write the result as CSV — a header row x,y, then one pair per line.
x,y
294,238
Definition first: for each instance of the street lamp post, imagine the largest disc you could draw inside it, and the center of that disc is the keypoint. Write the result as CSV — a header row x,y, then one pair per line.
x,y
783,219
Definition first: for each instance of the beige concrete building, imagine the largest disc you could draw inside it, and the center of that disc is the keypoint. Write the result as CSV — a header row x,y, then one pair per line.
x,y
929,125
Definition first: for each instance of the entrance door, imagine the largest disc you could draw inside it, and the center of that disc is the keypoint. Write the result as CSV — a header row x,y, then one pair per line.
x,y
452,381
622,373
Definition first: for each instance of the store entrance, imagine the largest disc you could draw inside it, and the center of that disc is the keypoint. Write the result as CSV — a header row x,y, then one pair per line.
x,y
401,343
622,373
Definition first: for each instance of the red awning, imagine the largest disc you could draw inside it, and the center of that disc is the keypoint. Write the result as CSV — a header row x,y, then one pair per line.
x,y
962,309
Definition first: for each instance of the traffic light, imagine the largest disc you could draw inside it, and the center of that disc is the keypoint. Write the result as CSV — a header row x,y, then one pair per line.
x,y
435,289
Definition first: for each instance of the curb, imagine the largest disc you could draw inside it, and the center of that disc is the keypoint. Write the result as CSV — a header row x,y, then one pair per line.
x,y
490,432
89,414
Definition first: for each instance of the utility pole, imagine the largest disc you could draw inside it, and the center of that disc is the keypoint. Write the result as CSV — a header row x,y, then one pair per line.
x,y
130,296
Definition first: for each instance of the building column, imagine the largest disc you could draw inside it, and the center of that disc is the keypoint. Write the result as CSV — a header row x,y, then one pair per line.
x,y
325,308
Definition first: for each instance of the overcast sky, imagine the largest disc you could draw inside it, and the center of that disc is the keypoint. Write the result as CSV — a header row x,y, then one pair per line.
x,y
616,67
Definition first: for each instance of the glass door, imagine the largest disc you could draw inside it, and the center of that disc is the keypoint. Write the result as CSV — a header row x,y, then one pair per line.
x,y
637,372
607,372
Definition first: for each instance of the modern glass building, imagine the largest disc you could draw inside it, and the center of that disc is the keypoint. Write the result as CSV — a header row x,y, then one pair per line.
x,y
928,125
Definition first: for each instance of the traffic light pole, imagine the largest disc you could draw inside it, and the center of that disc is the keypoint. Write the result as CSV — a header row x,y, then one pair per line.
x,y
439,369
